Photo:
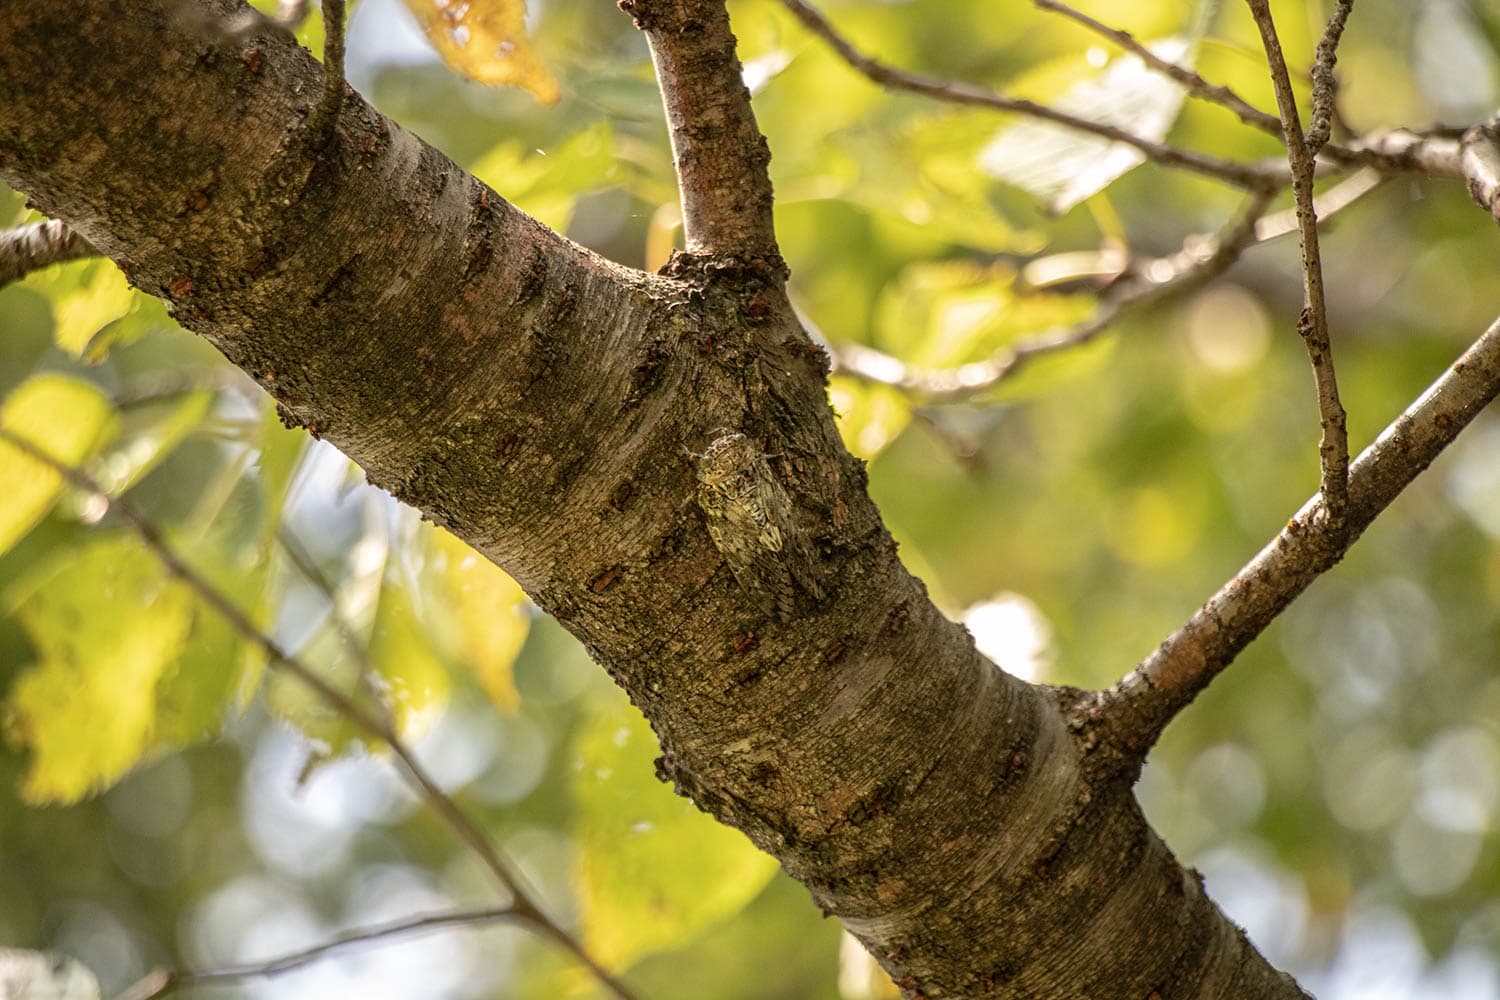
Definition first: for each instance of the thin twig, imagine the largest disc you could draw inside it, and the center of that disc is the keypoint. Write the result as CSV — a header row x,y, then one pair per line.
x,y
1136,710
1325,85
1241,175
1201,259
438,800
160,982
1333,448
1191,81
28,248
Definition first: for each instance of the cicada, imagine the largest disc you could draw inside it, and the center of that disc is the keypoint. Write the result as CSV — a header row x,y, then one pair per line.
x,y
752,524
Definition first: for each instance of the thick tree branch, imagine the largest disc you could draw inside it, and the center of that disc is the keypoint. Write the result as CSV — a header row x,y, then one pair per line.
x,y
1135,710
1333,448
31,247
538,400
720,155
1241,175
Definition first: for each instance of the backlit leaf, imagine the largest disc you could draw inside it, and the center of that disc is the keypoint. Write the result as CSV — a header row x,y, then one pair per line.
x,y
66,418
489,609
106,623
1063,166
652,870
485,40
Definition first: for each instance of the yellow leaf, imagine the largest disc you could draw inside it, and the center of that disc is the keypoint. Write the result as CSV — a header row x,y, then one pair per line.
x,y
103,297
64,417
489,609
653,872
106,625
485,40
869,416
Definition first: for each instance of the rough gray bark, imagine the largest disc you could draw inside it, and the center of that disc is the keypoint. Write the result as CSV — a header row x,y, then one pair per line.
x,y
538,401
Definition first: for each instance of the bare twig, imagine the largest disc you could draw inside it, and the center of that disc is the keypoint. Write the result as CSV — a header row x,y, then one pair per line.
x,y
1325,86
1191,81
1138,708
160,982
1241,175
720,154
522,905
1201,259
28,248
1333,448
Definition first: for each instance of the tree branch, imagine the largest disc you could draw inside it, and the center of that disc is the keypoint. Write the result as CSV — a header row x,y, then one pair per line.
x,y
1138,708
161,982
1325,85
1240,175
522,906
28,248
718,150
1333,448
1479,159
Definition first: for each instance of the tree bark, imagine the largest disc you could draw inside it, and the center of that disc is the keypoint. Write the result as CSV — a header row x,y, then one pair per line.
x,y
545,404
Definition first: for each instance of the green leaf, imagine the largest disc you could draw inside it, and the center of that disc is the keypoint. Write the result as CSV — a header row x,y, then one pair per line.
x,y
66,418
413,677
86,296
106,623
148,433
652,870
546,184
1063,166
869,416
488,611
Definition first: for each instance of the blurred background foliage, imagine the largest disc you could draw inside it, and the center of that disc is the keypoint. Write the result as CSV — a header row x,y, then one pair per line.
x,y
1339,788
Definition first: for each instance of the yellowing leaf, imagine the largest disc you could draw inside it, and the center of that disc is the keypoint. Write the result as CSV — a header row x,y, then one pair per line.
x,y
489,609
485,40
64,417
106,625
102,297
406,666
869,416
652,870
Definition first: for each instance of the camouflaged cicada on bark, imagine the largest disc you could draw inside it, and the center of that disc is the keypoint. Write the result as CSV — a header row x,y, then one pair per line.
x,y
750,521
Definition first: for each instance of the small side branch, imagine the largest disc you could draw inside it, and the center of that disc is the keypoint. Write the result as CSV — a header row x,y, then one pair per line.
x,y
28,248
1333,449
326,112
1134,712
720,154
1241,175
1325,85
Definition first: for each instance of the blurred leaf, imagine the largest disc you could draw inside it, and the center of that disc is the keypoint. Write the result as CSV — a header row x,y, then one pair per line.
x,y
281,449
869,416
489,609
106,622
546,184
407,669
485,40
1063,166
652,870
148,433
68,419
86,296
